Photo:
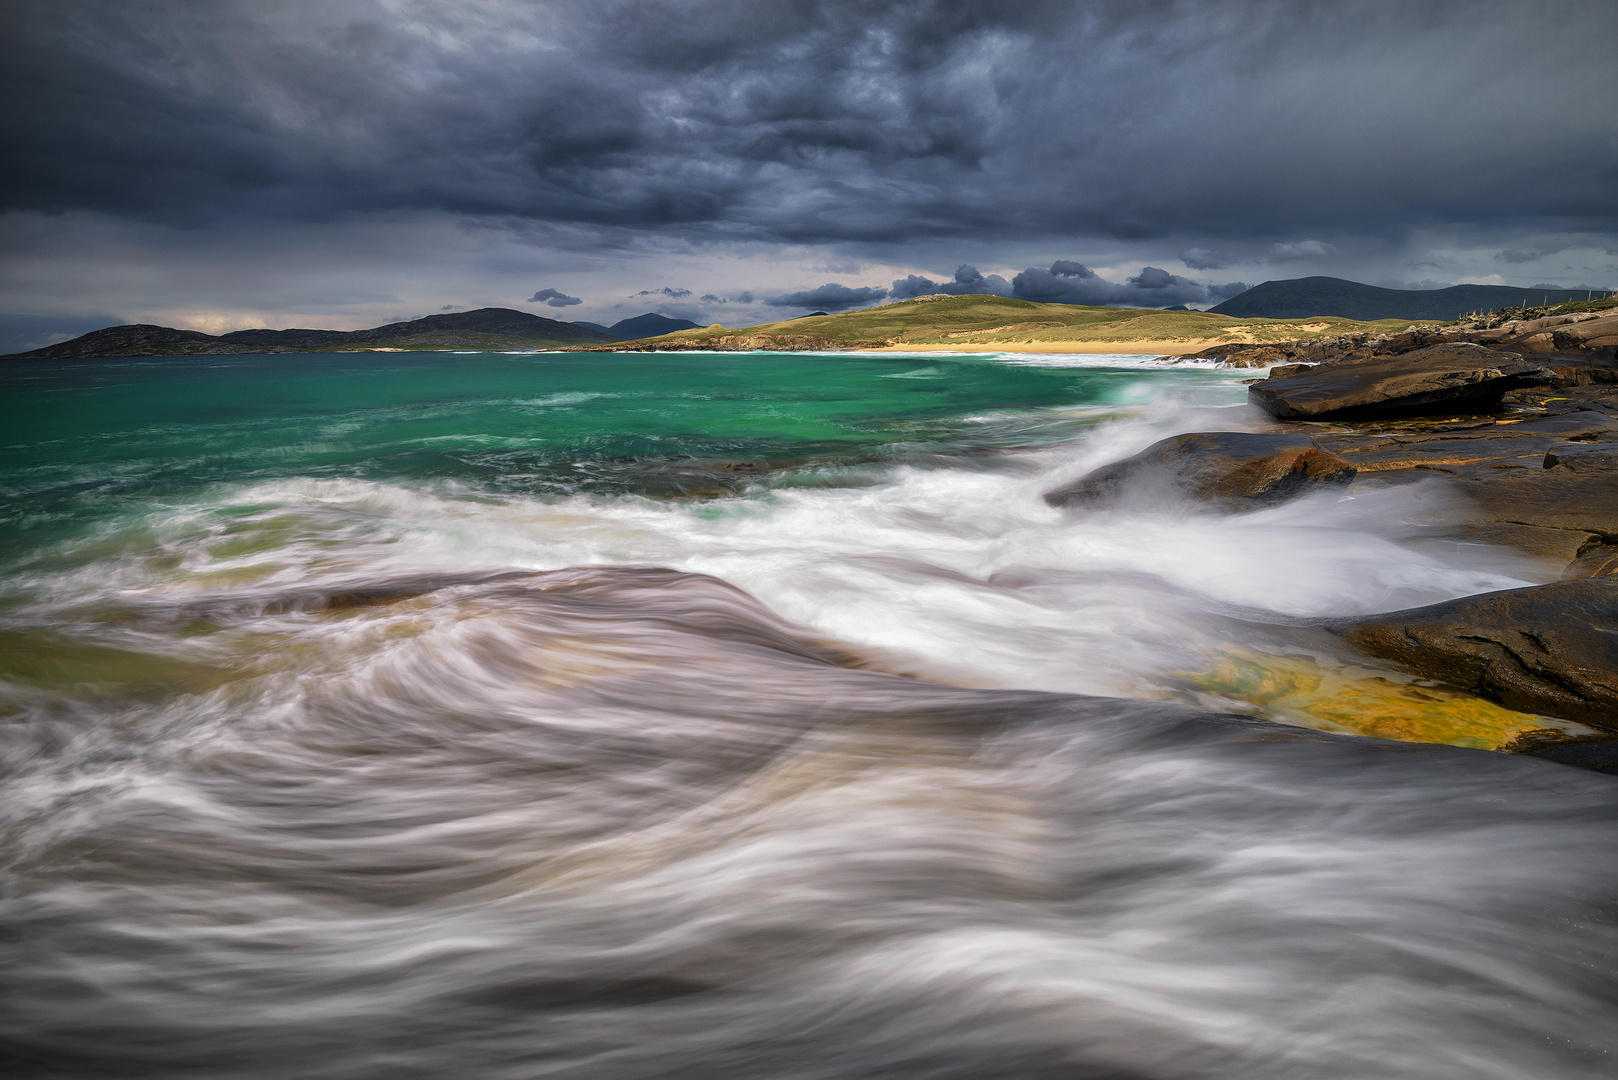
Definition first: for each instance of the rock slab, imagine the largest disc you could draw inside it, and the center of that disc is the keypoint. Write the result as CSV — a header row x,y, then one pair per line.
x,y
1234,470
1440,378
1549,649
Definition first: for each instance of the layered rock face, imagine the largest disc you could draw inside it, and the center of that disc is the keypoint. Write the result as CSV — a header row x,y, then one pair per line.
x,y
1438,377
1551,650
1518,416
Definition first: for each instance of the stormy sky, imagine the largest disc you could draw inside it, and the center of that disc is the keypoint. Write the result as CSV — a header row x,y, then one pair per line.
x,y
341,163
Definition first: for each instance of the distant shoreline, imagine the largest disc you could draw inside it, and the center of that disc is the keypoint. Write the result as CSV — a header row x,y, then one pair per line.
x,y
1141,348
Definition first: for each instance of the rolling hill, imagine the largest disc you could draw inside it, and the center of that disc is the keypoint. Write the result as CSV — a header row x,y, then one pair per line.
x,y
495,329
967,323
1300,298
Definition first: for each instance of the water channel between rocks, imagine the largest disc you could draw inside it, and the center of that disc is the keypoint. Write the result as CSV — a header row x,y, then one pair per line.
x,y
745,715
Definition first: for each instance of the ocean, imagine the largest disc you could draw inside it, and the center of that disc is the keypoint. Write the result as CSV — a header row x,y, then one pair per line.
x,y
744,715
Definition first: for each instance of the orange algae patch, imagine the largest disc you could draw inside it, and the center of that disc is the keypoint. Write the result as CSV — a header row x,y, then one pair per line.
x,y
1300,690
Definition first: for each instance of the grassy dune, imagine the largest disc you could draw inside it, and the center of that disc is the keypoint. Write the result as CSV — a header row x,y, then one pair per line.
x,y
967,323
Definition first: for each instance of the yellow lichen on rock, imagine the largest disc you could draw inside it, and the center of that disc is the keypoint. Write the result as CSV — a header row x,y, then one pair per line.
x,y
1300,690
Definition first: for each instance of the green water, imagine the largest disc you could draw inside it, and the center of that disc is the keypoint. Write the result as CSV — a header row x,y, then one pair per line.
x,y
84,437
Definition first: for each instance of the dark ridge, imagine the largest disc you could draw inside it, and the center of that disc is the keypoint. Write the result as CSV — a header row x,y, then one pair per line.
x,y
138,339
485,328
649,325
1300,298
597,327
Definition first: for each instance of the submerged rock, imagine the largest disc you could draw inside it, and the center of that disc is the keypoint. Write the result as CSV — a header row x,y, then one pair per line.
x,y
1440,378
1549,649
1234,470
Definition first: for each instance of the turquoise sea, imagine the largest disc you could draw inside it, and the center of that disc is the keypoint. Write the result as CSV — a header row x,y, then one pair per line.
x,y
732,715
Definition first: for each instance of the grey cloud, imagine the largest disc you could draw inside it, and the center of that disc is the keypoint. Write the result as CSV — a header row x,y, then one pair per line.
x,y
831,296
19,333
968,281
821,122
1203,259
1152,278
1290,250
672,294
1524,254
915,285
554,298
1217,293
1152,287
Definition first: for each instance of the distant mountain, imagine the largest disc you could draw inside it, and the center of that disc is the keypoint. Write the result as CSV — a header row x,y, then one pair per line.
x,y
1302,297
649,325
597,327
496,329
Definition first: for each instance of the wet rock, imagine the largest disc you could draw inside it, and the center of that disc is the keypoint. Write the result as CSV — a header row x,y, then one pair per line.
x,y
1593,560
1233,470
1549,649
1583,424
1583,457
1556,498
1441,378
1597,754
1406,456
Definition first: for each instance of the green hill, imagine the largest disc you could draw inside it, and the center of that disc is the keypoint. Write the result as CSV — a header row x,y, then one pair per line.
x,y
1300,298
993,322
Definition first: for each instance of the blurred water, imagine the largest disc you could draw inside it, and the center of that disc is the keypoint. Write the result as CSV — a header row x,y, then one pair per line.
x,y
725,716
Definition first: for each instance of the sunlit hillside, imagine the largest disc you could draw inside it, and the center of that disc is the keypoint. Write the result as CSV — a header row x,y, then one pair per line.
x,y
969,322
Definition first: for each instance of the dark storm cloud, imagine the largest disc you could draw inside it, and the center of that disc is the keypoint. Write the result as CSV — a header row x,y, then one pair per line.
x,y
968,281
554,298
831,296
1066,282
1203,259
819,121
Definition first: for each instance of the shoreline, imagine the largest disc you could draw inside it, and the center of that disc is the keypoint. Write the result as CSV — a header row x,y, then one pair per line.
x,y
1518,425
1119,348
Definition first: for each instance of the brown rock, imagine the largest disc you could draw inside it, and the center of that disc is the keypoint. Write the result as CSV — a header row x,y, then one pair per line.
x,y
1234,470
1550,649
1597,561
1456,376
1583,457
1450,454
1556,498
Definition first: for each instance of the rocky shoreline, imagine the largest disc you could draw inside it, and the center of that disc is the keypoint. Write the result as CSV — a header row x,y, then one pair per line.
x,y
1516,415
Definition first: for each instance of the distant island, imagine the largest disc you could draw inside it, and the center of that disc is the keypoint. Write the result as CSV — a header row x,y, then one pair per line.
x,y
1299,298
492,329
1276,311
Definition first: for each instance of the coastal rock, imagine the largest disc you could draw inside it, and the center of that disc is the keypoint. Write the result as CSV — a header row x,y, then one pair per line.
x,y
1457,376
1581,457
1405,456
1556,498
1597,560
1549,649
1233,470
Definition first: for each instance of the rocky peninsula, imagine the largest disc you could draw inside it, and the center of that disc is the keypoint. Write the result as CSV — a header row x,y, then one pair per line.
x,y
1515,414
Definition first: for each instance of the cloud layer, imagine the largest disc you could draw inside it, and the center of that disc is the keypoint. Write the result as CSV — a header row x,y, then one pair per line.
x,y
1359,137
820,121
